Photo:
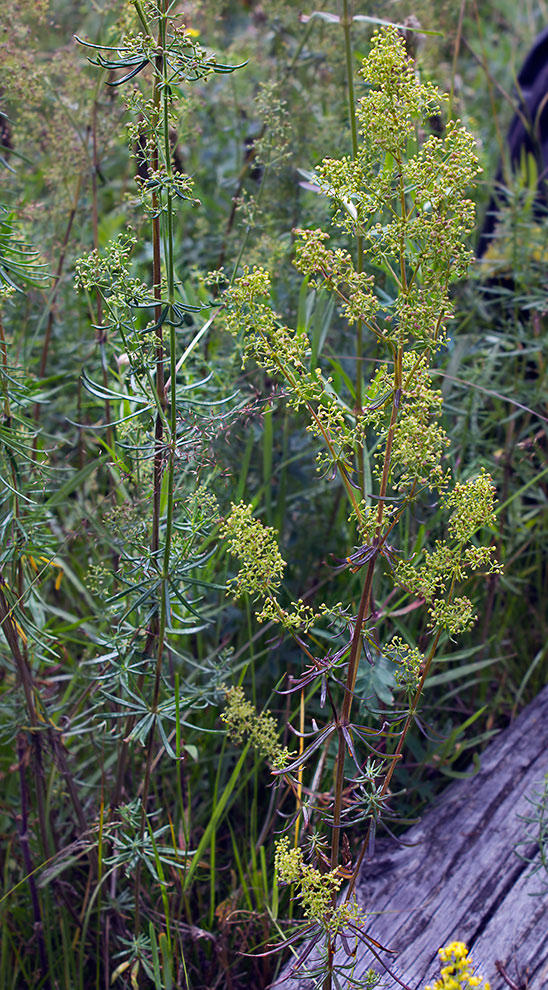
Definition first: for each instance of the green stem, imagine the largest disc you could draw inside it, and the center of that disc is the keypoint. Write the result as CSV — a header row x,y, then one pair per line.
x,y
346,22
162,93
100,333
142,17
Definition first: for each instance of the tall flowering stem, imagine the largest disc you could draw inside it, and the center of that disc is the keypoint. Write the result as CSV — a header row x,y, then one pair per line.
x,y
401,199
166,56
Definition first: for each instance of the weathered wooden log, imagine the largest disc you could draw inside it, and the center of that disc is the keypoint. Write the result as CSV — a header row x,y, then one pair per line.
x,y
461,879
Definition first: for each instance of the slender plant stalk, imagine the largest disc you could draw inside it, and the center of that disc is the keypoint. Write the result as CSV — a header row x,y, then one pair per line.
x,y
161,104
152,640
354,663
22,755
346,22
40,723
25,678
100,332
422,196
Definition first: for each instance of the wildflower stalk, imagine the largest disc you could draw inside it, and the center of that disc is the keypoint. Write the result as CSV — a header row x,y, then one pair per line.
x,y
157,290
159,622
346,22
417,242
170,54
100,333
25,848
38,718
155,637
354,660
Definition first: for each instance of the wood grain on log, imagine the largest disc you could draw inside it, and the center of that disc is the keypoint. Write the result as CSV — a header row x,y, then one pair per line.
x,y
461,879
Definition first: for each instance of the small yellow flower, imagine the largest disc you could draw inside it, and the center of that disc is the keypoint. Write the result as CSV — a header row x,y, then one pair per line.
x,y
457,974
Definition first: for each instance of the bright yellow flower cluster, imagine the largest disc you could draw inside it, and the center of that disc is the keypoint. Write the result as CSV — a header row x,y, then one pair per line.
x,y
457,973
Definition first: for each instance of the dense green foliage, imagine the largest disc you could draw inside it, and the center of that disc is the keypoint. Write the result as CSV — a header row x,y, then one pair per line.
x,y
164,403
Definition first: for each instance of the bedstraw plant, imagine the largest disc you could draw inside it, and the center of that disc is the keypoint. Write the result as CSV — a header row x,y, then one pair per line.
x,y
401,217
157,587
144,587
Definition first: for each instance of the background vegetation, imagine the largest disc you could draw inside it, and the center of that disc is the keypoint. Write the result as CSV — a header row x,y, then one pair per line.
x,y
115,654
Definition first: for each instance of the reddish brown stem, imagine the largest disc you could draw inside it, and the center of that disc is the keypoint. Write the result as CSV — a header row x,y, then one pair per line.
x,y
364,608
23,759
154,628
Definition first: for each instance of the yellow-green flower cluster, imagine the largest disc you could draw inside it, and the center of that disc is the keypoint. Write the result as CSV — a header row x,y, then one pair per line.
x,y
315,889
367,520
256,546
345,913
201,505
262,568
397,97
419,442
434,579
457,973
302,618
456,616
409,661
249,316
472,504
423,237
334,269
280,350
109,273
109,270
245,724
